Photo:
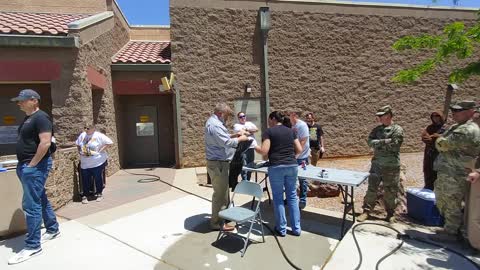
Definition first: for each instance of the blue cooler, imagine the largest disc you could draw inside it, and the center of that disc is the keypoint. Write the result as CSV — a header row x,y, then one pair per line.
x,y
421,206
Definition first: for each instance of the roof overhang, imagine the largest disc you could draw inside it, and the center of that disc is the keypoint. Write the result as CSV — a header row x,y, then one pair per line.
x,y
39,41
141,67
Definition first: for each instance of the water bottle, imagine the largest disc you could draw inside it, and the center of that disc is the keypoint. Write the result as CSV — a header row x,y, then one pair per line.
x,y
325,174
322,173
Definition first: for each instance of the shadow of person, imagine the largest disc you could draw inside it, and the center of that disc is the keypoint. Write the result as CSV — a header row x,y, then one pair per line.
x,y
16,236
198,223
16,232
230,243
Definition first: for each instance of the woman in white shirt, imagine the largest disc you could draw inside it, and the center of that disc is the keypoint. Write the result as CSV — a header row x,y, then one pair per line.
x,y
250,128
91,146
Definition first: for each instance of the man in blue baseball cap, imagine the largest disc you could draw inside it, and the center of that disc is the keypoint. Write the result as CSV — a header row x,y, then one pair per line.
x,y
26,94
34,164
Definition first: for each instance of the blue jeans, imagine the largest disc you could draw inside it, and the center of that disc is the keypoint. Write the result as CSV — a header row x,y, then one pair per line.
x,y
35,203
303,184
285,179
248,158
97,175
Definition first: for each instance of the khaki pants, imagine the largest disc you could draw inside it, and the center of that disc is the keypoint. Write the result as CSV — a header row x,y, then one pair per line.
x,y
218,171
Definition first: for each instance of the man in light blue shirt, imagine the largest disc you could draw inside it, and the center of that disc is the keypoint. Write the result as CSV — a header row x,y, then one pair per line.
x,y
303,134
219,149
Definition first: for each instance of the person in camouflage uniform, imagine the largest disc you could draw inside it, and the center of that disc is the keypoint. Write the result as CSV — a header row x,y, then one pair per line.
x,y
458,150
385,140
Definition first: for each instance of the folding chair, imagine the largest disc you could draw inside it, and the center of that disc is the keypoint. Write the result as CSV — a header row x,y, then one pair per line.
x,y
243,214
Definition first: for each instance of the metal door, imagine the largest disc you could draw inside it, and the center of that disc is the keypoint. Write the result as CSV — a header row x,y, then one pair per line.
x,y
141,141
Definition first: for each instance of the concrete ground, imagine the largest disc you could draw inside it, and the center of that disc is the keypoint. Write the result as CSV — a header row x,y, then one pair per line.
x,y
149,225
376,242
146,224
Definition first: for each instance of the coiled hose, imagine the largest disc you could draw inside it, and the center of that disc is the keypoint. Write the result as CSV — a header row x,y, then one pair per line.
x,y
402,237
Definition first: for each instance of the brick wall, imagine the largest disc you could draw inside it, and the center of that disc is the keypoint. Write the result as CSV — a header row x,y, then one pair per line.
x,y
149,33
333,60
55,6
72,104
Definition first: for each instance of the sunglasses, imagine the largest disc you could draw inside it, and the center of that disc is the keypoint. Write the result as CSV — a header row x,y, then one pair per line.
x,y
242,116
458,110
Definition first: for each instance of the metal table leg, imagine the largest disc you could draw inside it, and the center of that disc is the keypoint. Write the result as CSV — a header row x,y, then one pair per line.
x,y
348,205
265,188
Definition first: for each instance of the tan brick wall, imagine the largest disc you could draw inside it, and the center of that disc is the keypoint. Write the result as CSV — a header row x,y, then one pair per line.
x,y
150,33
72,101
54,6
62,183
334,60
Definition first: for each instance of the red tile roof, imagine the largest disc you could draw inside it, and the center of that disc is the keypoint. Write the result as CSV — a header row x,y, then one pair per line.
x,y
146,52
25,23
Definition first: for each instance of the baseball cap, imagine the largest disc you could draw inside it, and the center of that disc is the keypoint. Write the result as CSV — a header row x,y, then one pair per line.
x,y
383,110
463,105
26,94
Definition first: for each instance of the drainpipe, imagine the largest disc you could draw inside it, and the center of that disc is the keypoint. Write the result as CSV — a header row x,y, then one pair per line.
x,y
264,15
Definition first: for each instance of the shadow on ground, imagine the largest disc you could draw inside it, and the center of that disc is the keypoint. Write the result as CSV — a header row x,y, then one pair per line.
x,y
309,251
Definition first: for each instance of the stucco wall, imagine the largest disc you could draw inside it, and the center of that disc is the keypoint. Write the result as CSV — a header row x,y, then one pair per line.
x,y
333,60
54,6
72,104
150,33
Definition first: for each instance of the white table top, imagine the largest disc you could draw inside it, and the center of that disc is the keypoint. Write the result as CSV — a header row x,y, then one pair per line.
x,y
335,176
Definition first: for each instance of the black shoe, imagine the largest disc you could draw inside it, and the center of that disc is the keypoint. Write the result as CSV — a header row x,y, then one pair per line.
x,y
278,233
293,233
302,205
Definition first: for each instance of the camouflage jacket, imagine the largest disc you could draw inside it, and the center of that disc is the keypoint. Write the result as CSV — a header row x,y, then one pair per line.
x,y
459,148
386,154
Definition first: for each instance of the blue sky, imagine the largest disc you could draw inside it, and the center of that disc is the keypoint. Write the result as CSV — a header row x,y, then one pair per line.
x,y
155,12
146,12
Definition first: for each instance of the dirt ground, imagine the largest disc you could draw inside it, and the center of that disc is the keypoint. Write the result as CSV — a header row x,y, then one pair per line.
x,y
413,163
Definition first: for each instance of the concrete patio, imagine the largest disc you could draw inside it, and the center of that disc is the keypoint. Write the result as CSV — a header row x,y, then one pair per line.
x,y
146,224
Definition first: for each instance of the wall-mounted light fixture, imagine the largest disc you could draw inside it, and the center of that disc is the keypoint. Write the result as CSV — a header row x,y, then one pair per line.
x,y
452,87
264,19
248,88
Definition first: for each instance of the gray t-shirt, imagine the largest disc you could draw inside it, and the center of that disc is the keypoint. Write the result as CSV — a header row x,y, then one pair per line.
x,y
301,129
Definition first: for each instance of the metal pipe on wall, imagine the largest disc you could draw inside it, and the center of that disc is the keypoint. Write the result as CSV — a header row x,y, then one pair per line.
x,y
264,15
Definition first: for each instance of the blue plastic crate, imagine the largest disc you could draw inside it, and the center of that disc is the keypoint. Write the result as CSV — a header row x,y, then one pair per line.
x,y
421,207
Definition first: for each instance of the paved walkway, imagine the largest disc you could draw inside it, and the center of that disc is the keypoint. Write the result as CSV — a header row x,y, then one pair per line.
x,y
150,225
154,226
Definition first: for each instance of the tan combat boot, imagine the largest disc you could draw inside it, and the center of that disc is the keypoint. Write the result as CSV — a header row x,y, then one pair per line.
x,y
442,235
364,216
391,217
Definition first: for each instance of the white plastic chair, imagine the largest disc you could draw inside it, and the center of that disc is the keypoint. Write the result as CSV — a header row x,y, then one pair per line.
x,y
241,214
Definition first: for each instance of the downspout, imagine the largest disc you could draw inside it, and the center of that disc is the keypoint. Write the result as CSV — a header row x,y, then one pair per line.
x,y
264,14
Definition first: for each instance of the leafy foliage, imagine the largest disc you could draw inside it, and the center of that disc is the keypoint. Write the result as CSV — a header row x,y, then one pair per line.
x,y
456,41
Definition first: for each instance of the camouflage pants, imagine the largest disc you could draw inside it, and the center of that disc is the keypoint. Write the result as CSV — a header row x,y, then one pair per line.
x,y
390,178
449,194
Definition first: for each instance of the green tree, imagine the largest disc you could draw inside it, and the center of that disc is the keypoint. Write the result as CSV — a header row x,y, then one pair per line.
x,y
456,41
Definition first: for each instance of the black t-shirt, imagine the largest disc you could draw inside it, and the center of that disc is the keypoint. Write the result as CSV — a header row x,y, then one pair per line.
x,y
282,151
28,140
316,132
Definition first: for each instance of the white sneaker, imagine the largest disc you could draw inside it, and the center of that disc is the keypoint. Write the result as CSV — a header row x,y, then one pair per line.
x,y
24,255
84,200
99,197
49,236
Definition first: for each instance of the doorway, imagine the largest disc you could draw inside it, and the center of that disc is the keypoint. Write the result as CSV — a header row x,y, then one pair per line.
x,y
147,137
